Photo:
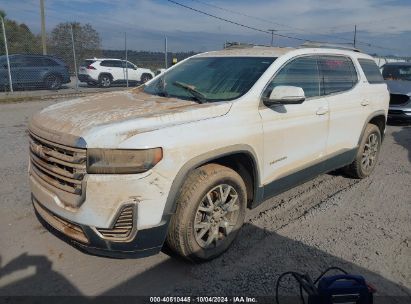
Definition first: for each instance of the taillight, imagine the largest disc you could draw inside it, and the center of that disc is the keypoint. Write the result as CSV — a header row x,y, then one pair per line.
x,y
90,67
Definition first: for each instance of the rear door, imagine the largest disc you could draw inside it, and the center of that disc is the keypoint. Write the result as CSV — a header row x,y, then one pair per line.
x,y
347,110
295,135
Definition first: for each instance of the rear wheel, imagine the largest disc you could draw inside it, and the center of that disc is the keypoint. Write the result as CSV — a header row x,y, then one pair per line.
x,y
53,82
210,211
367,154
104,81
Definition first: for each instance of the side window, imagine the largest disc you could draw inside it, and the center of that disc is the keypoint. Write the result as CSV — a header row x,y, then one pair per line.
x,y
105,63
32,62
49,62
128,64
301,72
371,71
117,64
338,74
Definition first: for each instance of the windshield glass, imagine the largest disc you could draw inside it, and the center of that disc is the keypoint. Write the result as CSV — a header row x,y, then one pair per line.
x,y
397,72
210,78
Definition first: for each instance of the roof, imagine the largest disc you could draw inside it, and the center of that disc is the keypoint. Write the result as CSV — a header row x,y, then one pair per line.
x,y
252,51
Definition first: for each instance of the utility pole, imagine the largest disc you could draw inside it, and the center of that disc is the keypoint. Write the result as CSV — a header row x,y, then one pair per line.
x,y
7,53
43,27
74,55
355,35
272,36
165,53
125,48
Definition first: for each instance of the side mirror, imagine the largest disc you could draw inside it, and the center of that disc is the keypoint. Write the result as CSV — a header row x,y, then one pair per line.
x,y
285,95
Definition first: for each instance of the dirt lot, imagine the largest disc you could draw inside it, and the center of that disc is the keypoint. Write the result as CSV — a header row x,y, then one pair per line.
x,y
362,226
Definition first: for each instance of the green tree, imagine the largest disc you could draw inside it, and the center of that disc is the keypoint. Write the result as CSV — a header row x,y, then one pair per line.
x,y
19,38
87,42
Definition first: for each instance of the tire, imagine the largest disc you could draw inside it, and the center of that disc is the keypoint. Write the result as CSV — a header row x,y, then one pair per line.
x,y
195,213
53,82
367,155
104,80
145,78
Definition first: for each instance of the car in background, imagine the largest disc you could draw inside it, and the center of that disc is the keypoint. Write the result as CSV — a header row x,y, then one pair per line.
x,y
108,71
398,78
28,71
159,71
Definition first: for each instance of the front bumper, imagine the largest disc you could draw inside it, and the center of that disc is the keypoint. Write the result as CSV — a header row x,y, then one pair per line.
x,y
399,114
144,243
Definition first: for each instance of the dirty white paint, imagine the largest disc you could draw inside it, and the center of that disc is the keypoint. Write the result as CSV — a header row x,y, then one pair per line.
x,y
185,129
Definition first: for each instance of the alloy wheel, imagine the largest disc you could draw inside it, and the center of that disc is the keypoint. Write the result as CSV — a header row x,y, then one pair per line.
x,y
370,153
216,216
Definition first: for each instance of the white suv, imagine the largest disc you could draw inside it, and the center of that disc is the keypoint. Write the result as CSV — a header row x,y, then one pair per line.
x,y
181,158
106,71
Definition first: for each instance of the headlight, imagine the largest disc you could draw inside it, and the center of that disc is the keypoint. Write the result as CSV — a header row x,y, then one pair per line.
x,y
108,161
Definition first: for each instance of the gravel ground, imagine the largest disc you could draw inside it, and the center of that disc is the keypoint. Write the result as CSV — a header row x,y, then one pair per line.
x,y
363,226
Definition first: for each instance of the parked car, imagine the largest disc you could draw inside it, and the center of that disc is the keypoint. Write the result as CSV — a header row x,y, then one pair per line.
x,y
159,71
181,158
398,78
106,71
28,71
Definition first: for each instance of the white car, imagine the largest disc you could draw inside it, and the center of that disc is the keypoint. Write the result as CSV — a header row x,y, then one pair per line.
x,y
181,158
108,71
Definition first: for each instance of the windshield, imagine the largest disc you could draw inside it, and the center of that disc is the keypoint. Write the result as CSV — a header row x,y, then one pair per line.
x,y
397,73
210,79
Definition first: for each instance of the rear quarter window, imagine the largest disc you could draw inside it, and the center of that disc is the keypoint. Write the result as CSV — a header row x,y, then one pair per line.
x,y
371,71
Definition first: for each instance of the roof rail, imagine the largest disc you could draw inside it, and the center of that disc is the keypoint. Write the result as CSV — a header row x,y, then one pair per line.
x,y
329,46
237,45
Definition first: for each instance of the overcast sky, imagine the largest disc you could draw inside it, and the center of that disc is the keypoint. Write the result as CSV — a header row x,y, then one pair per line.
x,y
385,24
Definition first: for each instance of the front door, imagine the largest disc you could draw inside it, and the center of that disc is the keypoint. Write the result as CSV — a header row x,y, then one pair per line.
x,y
295,135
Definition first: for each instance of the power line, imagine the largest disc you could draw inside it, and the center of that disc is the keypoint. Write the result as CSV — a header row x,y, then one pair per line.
x,y
281,24
238,24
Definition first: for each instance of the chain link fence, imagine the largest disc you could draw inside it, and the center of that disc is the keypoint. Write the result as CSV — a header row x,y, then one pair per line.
x,y
74,59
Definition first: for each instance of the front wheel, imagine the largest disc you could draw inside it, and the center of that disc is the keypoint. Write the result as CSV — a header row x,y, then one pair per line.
x,y
145,78
210,211
367,154
53,82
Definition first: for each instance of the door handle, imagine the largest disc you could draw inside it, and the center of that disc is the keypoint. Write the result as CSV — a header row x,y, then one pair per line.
x,y
365,103
322,111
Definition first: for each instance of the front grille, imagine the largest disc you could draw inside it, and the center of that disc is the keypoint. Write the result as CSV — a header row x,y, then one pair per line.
x,y
398,99
123,226
60,166
67,228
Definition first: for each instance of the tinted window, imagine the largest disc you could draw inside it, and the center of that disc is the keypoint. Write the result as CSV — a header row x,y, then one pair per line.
x,y
371,71
396,72
338,74
301,72
86,63
129,65
49,62
111,63
217,78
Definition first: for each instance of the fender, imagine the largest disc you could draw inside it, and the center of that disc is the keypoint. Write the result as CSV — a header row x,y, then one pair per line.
x,y
197,161
367,121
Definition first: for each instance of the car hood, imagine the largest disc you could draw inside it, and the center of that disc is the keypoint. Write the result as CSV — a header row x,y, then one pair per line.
x,y
107,119
399,87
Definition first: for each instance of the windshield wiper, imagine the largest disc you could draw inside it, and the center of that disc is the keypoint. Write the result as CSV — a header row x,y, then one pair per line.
x,y
200,97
